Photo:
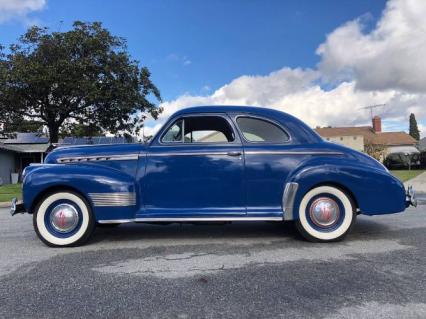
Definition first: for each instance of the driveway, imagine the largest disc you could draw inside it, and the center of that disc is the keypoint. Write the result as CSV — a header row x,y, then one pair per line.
x,y
256,270
418,183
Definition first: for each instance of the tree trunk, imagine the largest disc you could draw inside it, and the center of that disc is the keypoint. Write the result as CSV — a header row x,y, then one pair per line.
x,y
53,133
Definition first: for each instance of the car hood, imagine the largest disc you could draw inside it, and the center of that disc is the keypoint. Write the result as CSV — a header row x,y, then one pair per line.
x,y
91,152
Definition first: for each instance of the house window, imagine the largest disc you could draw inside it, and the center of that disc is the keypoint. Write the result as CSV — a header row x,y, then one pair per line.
x,y
341,138
354,138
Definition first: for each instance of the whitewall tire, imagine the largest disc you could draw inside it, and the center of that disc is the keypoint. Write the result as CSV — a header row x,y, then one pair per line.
x,y
63,219
326,213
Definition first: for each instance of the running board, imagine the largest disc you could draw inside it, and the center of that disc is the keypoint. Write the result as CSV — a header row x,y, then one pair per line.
x,y
189,219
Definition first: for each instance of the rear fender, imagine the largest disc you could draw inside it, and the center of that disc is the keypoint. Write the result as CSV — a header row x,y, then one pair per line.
x,y
374,191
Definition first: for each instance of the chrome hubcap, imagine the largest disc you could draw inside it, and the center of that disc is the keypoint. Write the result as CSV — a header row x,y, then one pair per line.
x,y
324,212
64,218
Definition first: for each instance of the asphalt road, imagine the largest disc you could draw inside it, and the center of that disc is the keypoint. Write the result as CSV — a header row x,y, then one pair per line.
x,y
255,270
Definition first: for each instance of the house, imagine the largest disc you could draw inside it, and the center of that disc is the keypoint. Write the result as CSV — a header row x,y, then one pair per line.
x,y
18,152
364,138
26,148
422,144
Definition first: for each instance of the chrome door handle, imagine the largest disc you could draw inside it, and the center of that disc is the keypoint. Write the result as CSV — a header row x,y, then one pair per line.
x,y
234,153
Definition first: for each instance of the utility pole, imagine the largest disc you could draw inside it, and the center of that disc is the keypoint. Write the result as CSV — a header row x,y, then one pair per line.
x,y
371,107
143,118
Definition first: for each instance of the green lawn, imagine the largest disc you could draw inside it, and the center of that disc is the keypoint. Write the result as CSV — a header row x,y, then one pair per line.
x,y
7,192
405,175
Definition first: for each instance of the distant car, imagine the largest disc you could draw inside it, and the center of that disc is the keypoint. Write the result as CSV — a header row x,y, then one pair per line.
x,y
401,161
423,159
210,164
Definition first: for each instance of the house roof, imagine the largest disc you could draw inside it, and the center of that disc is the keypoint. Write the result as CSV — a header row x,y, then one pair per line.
x,y
382,138
365,131
96,140
25,148
27,138
394,138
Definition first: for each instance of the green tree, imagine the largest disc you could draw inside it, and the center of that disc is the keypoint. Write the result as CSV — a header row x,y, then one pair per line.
x,y
22,125
414,130
80,130
84,75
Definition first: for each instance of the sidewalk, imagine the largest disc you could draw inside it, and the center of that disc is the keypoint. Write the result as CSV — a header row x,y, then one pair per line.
x,y
418,183
5,204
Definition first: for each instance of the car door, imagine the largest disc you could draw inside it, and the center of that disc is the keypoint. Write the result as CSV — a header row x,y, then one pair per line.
x,y
269,158
195,168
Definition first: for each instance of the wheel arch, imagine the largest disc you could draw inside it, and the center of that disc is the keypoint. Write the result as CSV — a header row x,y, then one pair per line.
x,y
56,189
82,179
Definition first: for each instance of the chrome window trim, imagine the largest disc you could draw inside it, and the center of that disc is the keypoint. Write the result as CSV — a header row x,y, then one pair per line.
x,y
289,195
188,219
78,159
225,116
249,115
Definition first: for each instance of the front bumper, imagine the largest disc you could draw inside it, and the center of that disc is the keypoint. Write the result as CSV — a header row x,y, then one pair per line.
x,y
16,207
410,197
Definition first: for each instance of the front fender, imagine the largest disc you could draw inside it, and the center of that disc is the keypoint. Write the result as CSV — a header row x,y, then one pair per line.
x,y
375,190
84,178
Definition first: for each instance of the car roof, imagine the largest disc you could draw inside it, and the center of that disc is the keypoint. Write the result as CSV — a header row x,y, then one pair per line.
x,y
230,109
299,130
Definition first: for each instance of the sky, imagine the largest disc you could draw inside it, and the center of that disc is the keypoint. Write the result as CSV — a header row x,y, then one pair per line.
x,y
322,61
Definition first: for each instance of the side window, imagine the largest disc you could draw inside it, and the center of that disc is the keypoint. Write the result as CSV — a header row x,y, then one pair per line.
x,y
174,134
200,129
257,130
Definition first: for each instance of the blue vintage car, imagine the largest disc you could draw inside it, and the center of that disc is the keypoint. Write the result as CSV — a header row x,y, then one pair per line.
x,y
210,164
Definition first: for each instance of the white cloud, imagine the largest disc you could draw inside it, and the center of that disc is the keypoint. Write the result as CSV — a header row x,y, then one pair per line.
x,y
386,65
174,57
151,130
186,61
19,9
391,56
422,129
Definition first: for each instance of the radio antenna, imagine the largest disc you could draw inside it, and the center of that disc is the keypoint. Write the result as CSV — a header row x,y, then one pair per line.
x,y
371,107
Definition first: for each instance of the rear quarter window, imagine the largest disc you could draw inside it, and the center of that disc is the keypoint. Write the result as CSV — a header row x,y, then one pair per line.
x,y
259,130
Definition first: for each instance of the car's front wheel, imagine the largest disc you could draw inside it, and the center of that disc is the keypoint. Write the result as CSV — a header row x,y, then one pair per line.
x,y
326,213
63,219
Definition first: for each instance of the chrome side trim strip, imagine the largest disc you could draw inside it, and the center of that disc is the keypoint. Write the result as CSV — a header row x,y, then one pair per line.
x,y
246,152
115,221
189,154
292,153
200,219
113,199
189,219
289,194
74,159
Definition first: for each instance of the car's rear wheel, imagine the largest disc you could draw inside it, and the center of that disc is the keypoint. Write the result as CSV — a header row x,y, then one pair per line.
x,y
63,219
326,213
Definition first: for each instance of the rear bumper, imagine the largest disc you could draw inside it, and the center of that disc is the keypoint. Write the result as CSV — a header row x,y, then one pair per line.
x,y
410,197
16,207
